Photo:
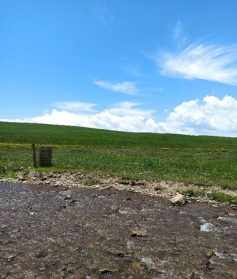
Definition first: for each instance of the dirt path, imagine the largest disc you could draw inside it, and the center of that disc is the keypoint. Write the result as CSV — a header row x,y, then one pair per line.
x,y
87,233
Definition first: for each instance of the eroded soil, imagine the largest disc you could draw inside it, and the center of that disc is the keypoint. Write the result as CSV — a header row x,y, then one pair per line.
x,y
48,232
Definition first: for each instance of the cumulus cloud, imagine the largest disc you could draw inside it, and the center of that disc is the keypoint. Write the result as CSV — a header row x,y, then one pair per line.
x,y
209,116
126,87
125,116
202,61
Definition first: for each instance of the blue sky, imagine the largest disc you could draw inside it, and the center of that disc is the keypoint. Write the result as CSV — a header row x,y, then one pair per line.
x,y
156,66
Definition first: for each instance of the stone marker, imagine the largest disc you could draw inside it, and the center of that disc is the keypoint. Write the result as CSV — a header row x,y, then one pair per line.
x,y
45,156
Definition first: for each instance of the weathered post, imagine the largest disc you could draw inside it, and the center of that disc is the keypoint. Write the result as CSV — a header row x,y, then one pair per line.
x,y
45,156
34,156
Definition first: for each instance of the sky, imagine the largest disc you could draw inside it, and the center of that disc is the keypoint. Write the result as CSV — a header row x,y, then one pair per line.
x,y
140,66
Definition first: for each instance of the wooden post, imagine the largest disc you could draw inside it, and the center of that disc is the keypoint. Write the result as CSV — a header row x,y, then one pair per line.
x,y
34,156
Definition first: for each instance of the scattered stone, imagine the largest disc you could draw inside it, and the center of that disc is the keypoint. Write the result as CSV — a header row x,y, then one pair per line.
x,y
138,232
11,257
130,245
208,227
194,275
116,252
106,273
123,212
202,220
148,263
3,227
136,267
124,182
174,245
32,213
70,179
137,183
224,256
20,177
127,211
231,220
210,253
66,194
178,199
41,254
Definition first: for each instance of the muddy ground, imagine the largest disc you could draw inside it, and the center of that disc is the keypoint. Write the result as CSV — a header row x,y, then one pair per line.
x,y
52,232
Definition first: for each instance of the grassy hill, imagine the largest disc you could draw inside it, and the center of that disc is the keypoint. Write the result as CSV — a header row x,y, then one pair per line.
x,y
198,159
68,135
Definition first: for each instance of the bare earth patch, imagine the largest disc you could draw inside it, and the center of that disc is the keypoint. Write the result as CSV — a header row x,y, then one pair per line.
x,y
100,232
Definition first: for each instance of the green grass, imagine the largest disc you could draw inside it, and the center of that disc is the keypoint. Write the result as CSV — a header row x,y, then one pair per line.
x,y
202,160
223,198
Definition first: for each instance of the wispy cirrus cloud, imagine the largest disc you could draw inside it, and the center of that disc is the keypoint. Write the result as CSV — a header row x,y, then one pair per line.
x,y
202,61
125,87
75,106
179,35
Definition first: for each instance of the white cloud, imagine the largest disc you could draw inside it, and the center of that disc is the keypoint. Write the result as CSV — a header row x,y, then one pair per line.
x,y
125,116
178,34
202,61
210,116
126,87
75,106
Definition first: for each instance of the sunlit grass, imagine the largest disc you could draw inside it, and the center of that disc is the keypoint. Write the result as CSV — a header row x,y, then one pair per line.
x,y
206,161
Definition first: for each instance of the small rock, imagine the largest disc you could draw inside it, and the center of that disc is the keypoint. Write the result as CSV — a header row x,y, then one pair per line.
x,y
66,194
123,212
3,227
137,183
148,263
32,213
124,182
106,273
20,177
41,254
224,256
138,232
208,227
231,220
10,258
178,199
117,253
130,245
194,275
210,253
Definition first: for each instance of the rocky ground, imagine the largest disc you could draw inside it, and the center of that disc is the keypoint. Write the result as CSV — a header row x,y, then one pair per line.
x,y
100,232
167,189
